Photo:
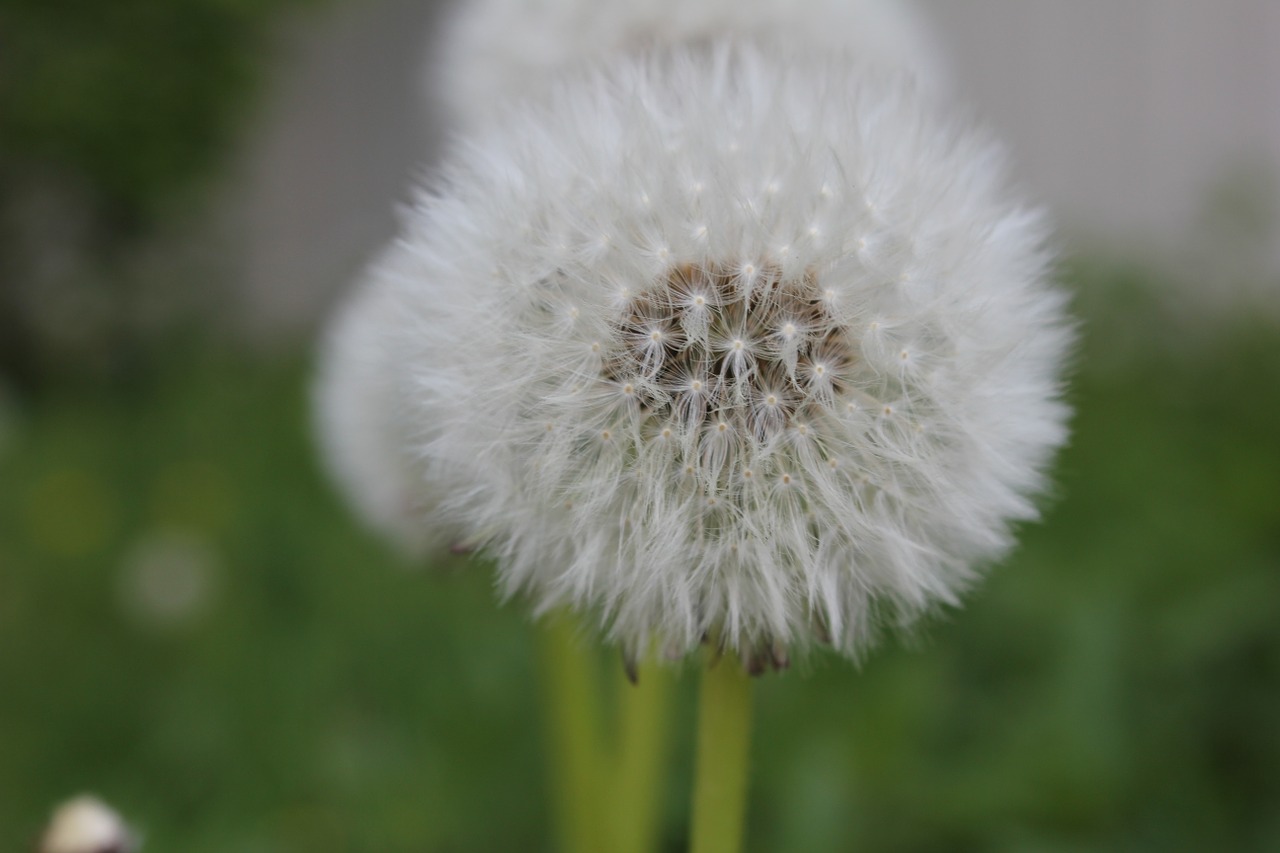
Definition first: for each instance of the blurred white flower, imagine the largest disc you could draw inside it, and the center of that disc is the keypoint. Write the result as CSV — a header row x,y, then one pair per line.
x,y
733,343
493,50
359,421
167,579
87,825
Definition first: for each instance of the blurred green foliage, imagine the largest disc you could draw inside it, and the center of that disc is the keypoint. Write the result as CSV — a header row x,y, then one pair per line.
x,y
1114,687
114,118
133,98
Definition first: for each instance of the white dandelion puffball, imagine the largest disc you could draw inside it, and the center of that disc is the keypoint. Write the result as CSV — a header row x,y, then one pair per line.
x,y
359,421
492,50
86,825
732,343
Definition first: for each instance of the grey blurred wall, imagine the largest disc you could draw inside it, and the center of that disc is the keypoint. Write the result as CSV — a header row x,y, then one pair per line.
x,y
341,134
1126,114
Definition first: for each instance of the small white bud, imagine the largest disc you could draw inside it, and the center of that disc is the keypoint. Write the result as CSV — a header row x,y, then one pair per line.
x,y
87,825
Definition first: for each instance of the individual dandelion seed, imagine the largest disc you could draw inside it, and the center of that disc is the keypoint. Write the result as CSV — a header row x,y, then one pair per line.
x,y
87,825
777,474
494,50
357,408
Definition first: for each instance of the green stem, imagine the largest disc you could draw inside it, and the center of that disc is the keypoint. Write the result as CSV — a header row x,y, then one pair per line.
x,y
572,712
642,752
724,737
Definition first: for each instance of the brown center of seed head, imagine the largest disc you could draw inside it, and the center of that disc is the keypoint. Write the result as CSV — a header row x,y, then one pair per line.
x,y
720,350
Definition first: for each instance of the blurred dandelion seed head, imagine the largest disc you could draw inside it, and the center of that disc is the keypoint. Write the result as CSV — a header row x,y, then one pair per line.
x,y
359,417
491,50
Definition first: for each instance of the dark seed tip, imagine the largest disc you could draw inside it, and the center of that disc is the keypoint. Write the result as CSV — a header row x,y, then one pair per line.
x,y
631,668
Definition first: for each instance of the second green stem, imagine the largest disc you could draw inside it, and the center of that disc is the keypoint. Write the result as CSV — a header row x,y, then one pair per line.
x,y
724,740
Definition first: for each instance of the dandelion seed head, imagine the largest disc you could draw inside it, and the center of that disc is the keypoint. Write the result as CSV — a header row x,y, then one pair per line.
x,y
760,476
